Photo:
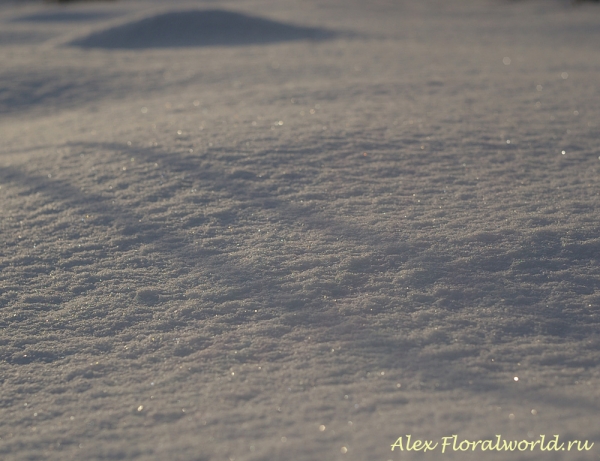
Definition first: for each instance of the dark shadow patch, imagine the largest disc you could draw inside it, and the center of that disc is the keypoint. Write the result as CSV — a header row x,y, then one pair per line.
x,y
199,28
23,38
50,89
147,296
64,16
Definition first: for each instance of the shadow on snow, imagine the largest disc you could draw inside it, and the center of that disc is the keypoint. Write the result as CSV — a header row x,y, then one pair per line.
x,y
199,28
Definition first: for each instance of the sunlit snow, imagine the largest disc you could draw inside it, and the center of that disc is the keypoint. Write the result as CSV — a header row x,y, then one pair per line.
x,y
259,230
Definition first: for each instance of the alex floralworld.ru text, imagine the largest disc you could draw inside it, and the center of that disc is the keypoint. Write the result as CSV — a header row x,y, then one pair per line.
x,y
452,443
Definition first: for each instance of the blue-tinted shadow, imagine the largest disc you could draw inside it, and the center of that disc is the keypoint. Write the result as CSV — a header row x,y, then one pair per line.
x,y
64,16
199,28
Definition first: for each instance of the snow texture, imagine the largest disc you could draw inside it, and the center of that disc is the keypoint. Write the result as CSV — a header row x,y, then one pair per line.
x,y
299,235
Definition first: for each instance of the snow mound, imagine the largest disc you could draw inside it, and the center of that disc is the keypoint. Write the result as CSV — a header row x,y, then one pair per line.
x,y
199,28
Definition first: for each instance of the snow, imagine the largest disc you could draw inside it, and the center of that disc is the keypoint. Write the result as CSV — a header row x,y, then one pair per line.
x,y
335,224
198,28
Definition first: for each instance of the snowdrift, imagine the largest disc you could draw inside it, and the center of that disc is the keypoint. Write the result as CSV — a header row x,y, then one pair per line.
x,y
199,28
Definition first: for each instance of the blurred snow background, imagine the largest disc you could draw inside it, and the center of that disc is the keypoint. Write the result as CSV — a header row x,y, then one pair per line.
x,y
366,223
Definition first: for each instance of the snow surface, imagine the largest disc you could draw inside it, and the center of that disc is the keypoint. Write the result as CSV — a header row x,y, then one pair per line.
x,y
366,223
